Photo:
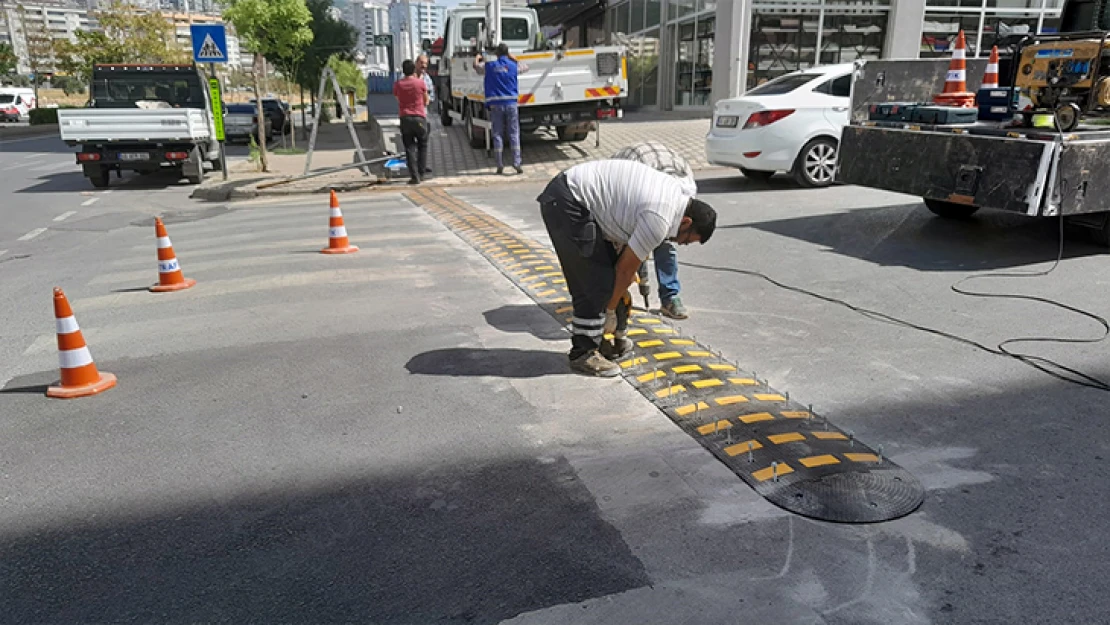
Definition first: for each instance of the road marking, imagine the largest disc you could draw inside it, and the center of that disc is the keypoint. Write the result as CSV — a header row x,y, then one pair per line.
x,y
11,167
90,201
32,234
66,215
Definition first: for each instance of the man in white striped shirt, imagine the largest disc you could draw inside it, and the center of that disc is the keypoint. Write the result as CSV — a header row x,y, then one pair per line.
x,y
604,218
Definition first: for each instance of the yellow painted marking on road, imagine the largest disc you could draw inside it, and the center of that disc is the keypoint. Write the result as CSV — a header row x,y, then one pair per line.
x,y
557,280
770,472
519,272
529,278
500,254
670,390
520,251
682,342
707,383
552,274
862,457
698,354
691,408
634,362
685,368
742,381
769,397
546,293
651,343
662,330
537,285
512,266
524,257
545,268
818,461
636,332
514,246
667,355
722,367
829,436
713,428
757,416
563,309
648,377
647,320
795,414
728,400
789,437
741,448
559,300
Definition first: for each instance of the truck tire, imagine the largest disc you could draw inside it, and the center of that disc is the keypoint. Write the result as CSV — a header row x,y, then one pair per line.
x,y
477,139
566,134
756,174
949,210
101,177
815,166
194,167
445,115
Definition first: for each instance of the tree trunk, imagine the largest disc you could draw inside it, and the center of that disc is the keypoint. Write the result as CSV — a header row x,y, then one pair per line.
x,y
261,112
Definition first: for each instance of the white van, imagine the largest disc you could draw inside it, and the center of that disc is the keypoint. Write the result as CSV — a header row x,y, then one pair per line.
x,y
16,103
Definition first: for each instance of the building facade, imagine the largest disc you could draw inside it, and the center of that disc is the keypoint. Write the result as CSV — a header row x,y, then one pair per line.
x,y
411,22
687,54
370,19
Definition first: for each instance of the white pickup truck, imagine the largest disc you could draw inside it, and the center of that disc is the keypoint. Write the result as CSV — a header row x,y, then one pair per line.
x,y
569,90
143,118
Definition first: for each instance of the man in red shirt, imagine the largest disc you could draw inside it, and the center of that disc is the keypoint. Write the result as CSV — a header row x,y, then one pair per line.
x,y
412,101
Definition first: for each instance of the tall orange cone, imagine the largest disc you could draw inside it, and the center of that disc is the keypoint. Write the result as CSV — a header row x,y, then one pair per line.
x,y
955,85
79,375
990,77
337,232
170,277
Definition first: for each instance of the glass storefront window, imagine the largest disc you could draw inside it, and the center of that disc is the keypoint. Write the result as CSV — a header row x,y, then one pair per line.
x,y
649,64
938,33
681,8
636,19
653,14
846,38
781,43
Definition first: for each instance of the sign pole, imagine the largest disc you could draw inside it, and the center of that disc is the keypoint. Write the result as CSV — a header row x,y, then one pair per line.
x,y
210,46
218,115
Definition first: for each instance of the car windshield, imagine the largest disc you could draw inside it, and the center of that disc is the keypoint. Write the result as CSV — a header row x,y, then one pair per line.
x,y
783,84
126,91
514,28
6,98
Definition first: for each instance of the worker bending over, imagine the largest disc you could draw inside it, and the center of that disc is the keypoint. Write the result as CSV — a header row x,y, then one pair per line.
x,y
604,218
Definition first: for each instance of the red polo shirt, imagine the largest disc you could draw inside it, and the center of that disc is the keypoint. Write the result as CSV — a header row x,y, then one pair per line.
x,y
410,92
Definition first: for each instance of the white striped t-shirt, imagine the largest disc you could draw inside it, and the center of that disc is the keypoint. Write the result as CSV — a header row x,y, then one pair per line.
x,y
633,204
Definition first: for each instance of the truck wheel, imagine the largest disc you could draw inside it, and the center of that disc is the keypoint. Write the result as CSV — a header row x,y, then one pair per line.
x,y
194,168
101,178
816,164
949,210
445,115
566,134
755,174
477,139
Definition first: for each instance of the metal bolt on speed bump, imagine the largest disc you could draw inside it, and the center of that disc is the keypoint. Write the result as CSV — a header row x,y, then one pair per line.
x,y
851,438
880,454
775,470
751,449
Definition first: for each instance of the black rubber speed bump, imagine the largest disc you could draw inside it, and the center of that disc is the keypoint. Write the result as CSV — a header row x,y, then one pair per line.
x,y
794,458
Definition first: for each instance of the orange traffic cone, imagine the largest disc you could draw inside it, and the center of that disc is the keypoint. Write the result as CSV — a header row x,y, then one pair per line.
x,y
955,85
337,232
170,277
990,77
79,375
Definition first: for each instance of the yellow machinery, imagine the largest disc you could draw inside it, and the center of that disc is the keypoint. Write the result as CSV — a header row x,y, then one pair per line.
x,y
1068,75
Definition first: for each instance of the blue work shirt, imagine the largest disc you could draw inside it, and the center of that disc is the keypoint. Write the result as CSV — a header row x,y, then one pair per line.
x,y
500,81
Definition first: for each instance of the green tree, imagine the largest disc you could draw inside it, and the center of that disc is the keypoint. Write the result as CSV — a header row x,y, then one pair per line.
x,y
349,75
127,35
269,28
8,60
330,37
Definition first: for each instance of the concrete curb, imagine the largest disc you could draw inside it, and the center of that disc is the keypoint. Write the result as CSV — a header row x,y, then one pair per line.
x,y
19,132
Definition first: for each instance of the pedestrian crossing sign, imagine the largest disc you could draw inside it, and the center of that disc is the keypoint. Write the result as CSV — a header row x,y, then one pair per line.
x,y
209,43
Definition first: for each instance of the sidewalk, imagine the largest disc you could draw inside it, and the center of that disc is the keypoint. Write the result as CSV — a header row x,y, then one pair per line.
x,y
452,160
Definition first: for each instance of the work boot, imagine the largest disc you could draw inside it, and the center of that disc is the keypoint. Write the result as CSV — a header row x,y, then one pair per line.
x,y
594,364
519,169
674,309
500,171
616,348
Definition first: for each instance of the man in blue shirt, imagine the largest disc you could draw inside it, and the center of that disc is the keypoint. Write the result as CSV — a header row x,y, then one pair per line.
x,y
501,101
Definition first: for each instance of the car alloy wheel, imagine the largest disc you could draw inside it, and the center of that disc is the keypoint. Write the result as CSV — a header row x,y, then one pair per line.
x,y
817,163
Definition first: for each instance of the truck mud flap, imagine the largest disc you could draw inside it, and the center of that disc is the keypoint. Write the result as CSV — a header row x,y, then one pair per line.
x,y
1080,183
989,172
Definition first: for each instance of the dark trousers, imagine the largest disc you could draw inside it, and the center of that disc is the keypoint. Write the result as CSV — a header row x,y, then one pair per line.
x,y
414,136
589,264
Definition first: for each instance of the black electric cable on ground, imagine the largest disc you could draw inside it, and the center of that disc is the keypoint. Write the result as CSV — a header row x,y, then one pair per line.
x,y
1045,365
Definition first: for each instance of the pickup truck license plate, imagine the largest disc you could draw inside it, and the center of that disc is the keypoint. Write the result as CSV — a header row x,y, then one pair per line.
x,y
134,156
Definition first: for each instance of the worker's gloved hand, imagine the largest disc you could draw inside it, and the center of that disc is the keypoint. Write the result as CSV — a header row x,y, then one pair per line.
x,y
610,321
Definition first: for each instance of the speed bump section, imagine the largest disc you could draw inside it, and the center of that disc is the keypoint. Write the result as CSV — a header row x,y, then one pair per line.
x,y
794,458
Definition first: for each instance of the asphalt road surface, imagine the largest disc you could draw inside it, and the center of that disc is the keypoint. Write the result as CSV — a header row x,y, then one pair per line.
x,y
393,436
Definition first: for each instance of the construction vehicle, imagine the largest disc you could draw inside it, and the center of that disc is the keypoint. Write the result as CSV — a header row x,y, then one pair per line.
x,y
1025,163
567,90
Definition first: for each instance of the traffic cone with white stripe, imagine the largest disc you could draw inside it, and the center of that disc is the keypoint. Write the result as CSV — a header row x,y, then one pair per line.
x,y
337,232
955,84
170,277
990,77
79,375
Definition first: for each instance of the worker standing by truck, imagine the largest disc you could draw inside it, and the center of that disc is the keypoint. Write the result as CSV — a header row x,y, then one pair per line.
x,y
501,95
412,102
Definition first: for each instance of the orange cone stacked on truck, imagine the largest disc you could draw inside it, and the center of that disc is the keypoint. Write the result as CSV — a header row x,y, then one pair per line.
x,y
955,84
990,77
170,277
338,243
80,377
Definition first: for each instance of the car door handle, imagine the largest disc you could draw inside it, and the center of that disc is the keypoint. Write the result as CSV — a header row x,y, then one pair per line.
x,y
840,109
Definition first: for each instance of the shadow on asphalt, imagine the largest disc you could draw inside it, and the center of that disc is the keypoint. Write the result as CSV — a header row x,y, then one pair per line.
x,y
908,235
530,319
477,543
739,184
493,362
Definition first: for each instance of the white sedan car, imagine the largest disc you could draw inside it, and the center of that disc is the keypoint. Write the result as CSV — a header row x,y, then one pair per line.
x,y
790,124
